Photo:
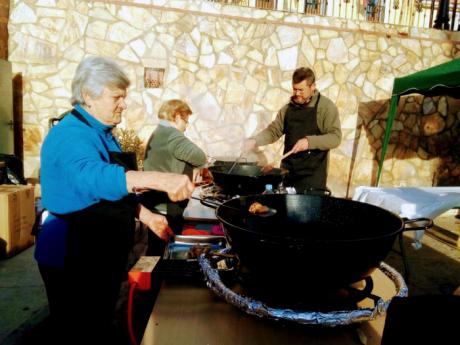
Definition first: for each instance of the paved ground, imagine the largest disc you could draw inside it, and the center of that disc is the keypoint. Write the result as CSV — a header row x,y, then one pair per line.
x,y
23,304
435,268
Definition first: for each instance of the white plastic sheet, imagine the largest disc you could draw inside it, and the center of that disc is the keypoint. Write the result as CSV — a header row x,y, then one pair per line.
x,y
411,202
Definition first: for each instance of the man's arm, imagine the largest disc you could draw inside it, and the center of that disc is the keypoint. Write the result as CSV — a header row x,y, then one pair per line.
x,y
268,135
329,125
274,130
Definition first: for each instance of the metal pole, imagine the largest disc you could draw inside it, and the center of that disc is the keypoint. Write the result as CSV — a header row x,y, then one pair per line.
x,y
442,17
454,13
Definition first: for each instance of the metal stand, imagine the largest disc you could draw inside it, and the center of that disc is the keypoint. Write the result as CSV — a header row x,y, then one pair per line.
x,y
404,257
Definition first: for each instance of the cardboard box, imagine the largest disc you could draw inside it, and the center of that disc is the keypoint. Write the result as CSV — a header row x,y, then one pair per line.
x,y
17,216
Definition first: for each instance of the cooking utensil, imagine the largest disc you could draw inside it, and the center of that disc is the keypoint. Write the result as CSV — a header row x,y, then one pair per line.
x,y
245,178
214,204
287,154
313,240
234,163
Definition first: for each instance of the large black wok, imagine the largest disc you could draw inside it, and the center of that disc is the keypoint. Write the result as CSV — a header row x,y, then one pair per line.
x,y
312,242
244,178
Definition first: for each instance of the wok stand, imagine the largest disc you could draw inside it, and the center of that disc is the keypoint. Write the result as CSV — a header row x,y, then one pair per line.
x,y
190,313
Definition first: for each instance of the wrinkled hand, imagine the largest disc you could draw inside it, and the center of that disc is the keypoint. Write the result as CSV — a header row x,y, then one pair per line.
x,y
300,145
248,145
267,168
156,222
179,187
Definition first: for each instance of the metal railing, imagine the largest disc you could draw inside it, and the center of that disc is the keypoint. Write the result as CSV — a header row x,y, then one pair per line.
x,y
440,14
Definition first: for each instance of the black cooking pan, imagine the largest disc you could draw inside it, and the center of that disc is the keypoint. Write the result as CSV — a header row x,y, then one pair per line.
x,y
244,178
313,242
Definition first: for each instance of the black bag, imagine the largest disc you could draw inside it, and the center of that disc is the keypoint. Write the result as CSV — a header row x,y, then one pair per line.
x,y
426,319
14,169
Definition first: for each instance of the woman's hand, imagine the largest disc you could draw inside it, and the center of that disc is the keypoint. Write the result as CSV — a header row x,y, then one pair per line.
x,y
177,186
156,222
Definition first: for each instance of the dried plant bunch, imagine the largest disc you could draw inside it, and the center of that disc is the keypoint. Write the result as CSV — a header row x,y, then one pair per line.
x,y
130,142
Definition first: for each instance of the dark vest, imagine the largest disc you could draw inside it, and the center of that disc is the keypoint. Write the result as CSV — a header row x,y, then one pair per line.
x,y
310,165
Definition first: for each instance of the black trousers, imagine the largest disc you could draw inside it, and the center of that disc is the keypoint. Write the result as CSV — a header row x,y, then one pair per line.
x,y
80,316
83,295
54,281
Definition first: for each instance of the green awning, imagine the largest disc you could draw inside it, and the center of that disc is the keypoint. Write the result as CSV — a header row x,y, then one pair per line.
x,y
442,79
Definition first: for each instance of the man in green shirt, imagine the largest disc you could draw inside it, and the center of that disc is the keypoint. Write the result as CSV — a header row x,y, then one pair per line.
x,y
310,124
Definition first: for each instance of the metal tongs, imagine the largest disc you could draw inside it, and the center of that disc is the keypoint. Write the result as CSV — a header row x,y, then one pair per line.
x,y
235,162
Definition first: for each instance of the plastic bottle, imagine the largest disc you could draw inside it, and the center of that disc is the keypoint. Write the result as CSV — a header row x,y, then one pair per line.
x,y
268,189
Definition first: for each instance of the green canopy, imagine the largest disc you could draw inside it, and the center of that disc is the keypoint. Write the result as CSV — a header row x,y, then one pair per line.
x,y
442,79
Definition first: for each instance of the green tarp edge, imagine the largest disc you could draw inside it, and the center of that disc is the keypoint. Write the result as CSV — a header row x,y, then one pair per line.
x,y
442,77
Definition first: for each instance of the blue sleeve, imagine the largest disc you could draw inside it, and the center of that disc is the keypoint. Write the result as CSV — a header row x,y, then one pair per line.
x,y
87,169
76,172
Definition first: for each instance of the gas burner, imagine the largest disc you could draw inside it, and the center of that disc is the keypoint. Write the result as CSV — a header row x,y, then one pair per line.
x,y
339,310
310,297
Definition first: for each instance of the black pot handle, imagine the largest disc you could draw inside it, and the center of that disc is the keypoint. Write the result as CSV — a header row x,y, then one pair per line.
x,y
428,225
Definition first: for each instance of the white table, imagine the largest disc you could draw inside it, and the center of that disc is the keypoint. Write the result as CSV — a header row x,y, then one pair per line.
x,y
411,202
197,211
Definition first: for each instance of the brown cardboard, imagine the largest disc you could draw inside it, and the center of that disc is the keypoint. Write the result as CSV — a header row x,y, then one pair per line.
x,y
17,216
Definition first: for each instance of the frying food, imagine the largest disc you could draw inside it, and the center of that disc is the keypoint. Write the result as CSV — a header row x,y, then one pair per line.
x,y
267,168
196,250
257,208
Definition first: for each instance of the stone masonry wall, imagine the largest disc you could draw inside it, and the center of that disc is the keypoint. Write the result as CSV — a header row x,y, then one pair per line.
x,y
424,143
232,65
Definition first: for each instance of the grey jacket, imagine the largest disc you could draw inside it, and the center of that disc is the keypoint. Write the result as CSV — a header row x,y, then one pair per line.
x,y
169,150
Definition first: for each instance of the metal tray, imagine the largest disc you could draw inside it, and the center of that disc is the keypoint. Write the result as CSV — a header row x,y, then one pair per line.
x,y
180,247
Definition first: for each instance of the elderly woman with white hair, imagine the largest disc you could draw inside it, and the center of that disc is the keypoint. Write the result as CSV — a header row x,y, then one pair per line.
x,y
83,245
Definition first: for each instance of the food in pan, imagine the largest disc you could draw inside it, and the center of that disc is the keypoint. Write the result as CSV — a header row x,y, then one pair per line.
x,y
196,250
257,208
267,168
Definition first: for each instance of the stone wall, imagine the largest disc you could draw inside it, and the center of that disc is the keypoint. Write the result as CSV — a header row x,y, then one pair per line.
x,y
232,65
424,143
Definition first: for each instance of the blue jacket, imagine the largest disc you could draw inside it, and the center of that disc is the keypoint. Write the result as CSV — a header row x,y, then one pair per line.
x,y
75,173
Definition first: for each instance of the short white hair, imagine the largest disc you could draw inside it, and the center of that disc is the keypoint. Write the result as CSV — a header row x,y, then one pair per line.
x,y
93,74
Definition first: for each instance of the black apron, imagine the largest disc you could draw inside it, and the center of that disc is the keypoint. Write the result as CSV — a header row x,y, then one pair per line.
x,y
174,210
98,243
307,169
